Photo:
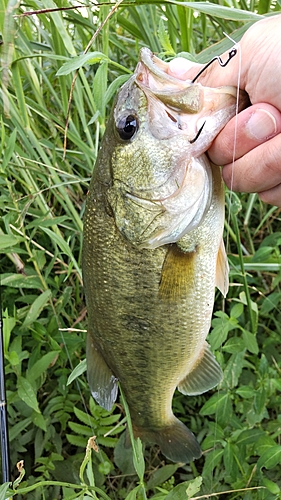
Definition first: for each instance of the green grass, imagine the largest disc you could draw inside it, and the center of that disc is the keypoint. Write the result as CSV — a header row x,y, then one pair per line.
x,y
42,197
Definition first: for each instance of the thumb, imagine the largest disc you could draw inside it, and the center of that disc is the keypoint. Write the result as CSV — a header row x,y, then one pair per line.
x,y
215,75
252,127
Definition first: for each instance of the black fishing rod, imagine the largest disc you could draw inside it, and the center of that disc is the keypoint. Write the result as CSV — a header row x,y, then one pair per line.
x,y
4,436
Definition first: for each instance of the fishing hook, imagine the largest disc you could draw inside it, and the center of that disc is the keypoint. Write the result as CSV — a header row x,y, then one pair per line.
x,y
198,133
231,54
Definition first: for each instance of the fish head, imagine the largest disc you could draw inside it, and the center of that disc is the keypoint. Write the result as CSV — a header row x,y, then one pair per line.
x,y
161,180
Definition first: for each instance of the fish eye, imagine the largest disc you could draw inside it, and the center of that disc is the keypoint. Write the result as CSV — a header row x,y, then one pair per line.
x,y
127,127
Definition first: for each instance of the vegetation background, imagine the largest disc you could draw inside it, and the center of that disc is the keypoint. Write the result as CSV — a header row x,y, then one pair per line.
x,y
42,199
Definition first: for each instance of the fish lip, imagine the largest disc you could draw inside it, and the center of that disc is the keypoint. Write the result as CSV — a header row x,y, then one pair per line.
x,y
156,66
149,64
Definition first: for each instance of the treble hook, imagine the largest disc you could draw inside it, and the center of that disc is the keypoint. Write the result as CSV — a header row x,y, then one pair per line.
x,y
231,54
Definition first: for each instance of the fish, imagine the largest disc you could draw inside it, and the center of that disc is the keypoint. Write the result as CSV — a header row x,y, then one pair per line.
x,y
153,251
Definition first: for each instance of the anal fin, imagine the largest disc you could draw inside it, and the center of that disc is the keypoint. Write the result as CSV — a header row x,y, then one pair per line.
x,y
102,382
205,374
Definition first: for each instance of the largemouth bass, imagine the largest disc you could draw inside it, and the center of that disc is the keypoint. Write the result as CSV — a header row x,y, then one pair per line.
x,y
153,251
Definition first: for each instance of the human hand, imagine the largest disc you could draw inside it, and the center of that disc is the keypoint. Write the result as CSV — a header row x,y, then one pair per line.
x,y
257,149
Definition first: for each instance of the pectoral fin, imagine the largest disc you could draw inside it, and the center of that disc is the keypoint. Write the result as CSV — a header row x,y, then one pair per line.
x,y
102,382
177,274
205,375
222,270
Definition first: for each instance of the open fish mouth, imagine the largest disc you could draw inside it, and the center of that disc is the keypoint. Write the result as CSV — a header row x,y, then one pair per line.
x,y
184,107
165,188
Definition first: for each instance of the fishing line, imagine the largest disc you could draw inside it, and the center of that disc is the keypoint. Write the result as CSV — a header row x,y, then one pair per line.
x,y
239,54
231,54
236,50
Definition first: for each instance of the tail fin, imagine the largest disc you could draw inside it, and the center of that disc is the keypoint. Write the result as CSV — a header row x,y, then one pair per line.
x,y
176,441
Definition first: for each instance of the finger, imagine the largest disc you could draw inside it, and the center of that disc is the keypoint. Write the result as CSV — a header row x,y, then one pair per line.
x,y
257,171
213,76
272,196
183,69
247,130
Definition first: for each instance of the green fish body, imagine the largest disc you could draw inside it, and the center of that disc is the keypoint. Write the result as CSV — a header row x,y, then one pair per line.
x,y
153,251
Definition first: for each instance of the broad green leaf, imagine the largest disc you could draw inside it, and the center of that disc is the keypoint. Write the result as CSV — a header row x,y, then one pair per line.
x,y
123,456
85,417
41,365
194,486
270,458
178,492
3,491
112,419
245,391
222,325
260,398
263,365
100,82
108,441
237,310
249,436
80,429
139,458
220,404
8,325
250,342
114,86
39,420
212,460
133,494
77,62
13,358
78,370
27,394
263,444
271,486
233,345
233,369
230,459
21,281
270,302
22,425
77,440
221,11
8,240
37,307
159,476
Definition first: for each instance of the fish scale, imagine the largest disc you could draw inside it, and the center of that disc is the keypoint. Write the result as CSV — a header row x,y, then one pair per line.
x,y
150,304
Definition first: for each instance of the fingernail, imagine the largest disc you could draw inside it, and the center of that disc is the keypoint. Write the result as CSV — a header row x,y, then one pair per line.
x,y
261,125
